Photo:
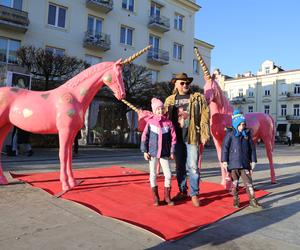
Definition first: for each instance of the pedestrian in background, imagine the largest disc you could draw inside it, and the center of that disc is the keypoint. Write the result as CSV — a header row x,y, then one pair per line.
x,y
290,138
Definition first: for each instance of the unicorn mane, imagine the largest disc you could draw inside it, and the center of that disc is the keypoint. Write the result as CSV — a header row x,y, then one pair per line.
x,y
222,103
78,79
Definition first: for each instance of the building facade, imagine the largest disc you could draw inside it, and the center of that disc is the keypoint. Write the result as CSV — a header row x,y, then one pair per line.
x,y
273,91
106,30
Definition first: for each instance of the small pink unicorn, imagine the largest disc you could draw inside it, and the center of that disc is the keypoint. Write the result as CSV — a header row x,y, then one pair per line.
x,y
59,111
262,125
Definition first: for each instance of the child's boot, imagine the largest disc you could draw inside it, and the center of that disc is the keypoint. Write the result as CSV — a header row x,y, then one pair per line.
x,y
253,202
155,196
168,196
236,201
235,193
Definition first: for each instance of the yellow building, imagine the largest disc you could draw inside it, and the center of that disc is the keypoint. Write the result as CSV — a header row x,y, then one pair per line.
x,y
273,91
105,30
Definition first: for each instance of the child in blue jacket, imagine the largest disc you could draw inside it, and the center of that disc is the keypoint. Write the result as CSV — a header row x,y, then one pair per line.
x,y
239,157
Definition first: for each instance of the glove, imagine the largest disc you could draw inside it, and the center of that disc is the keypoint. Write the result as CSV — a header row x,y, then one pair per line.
x,y
225,164
253,164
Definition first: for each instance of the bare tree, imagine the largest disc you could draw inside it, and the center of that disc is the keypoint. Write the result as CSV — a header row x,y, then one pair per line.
x,y
46,65
138,85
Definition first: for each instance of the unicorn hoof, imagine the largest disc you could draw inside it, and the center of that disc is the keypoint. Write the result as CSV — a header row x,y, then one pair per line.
x,y
72,183
3,180
65,187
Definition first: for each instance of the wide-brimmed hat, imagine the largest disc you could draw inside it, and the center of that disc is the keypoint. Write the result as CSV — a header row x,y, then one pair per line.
x,y
182,76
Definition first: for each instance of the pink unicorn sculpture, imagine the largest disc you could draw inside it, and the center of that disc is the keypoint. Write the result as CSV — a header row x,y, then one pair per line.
x,y
262,125
59,111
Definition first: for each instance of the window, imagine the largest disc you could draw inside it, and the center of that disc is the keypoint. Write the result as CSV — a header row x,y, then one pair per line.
x,y
195,66
283,110
154,76
241,92
267,92
92,60
126,35
178,22
283,89
231,94
155,10
267,70
16,4
94,26
55,51
250,109
177,51
297,89
250,93
57,15
154,41
267,109
128,4
8,50
296,110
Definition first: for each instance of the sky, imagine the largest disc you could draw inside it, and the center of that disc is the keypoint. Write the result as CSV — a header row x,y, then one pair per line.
x,y
246,33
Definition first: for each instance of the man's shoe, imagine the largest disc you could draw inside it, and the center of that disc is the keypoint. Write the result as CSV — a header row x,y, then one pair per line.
x,y
181,196
195,201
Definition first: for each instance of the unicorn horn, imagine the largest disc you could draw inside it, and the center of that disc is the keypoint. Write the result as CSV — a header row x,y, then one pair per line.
x,y
137,54
130,106
203,65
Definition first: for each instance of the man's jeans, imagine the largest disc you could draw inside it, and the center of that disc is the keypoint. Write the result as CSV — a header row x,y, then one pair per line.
x,y
186,157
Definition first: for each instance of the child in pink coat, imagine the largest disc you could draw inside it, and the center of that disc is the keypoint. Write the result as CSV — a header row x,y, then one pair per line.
x,y
158,144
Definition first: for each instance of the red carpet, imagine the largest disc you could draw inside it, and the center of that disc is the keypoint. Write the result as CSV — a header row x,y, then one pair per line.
x,y
125,194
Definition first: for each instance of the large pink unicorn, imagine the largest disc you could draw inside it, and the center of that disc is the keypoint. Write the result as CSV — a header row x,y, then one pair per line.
x,y
60,111
261,125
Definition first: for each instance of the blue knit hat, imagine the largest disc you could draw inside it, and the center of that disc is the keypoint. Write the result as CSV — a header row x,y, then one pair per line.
x,y
237,118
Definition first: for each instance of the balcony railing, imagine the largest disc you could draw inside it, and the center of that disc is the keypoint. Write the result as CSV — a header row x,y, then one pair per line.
x,y
158,56
293,117
238,100
101,5
13,18
293,95
159,23
97,41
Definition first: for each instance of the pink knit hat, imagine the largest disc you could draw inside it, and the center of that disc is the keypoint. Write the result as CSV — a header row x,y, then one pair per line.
x,y
156,103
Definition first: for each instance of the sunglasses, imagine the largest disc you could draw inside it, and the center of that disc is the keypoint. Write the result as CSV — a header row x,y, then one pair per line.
x,y
186,83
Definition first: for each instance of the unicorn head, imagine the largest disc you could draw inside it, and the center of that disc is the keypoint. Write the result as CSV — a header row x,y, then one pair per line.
x,y
214,95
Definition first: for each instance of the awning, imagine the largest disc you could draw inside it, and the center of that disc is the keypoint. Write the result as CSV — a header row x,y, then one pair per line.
x,y
281,127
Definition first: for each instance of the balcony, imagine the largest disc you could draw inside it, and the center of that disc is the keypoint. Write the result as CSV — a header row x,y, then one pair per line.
x,y
293,117
13,19
292,95
99,41
100,5
159,23
158,56
238,100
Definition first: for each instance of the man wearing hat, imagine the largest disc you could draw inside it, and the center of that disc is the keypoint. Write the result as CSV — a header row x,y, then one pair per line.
x,y
190,115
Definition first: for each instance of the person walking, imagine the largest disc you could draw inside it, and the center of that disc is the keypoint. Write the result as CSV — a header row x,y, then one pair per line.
x,y
158,145
190,115
239,157
290,138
